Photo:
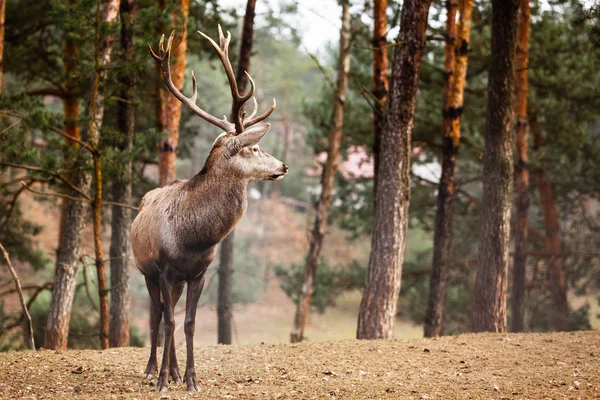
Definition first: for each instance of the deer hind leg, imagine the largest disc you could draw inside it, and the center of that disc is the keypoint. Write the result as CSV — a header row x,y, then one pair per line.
x,y
155,317
193,295
166,289
174,368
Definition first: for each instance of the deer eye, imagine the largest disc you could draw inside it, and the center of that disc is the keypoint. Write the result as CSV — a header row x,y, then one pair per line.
x,y
255,149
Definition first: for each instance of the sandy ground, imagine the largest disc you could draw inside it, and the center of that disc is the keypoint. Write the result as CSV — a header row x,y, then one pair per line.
x,y
490,366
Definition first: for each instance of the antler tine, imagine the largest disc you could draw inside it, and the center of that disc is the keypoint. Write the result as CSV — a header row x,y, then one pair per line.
x,y
254,109
255,120
163,58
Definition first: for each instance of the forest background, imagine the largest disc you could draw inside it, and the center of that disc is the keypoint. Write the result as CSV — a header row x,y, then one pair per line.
x,y
52,65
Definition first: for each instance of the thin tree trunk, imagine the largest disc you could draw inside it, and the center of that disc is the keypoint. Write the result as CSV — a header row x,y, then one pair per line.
x,y
2,18
224,298
121,190
71,219
380,78
334,140
522,170
489,312
380,298
456,55
556,278
172,107
104,46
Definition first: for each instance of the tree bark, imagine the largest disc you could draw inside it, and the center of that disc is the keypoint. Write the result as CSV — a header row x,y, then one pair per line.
x,y
172,107
104,46
380,298
121,189
67,259
455,63
334,141
489,312
556,278
522,170
380,78
2,18
224,298
71,218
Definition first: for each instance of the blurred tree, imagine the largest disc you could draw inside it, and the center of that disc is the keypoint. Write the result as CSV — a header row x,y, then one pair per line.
x,y
455,63
522,171
2,17
172,107
224,305
122,186
336,126
379,302
556,277
489,313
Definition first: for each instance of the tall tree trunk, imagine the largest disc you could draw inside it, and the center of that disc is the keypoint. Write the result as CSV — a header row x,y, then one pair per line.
x,y
380,78
224,298
171,116
455,63
71,219
2,18
380,298
334,140
104,47
489,312
522,170
556,278
121,189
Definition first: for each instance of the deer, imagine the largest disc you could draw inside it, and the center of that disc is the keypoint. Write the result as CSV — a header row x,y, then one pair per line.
x,y
175,235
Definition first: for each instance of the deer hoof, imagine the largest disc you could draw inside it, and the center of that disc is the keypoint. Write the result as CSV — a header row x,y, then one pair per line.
x,y
192,383
162,385
175,375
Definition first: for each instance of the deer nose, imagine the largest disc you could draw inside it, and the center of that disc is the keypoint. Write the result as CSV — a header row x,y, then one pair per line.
x,y
285,168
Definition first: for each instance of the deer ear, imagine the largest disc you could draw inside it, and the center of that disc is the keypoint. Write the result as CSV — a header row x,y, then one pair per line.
x,y
247,138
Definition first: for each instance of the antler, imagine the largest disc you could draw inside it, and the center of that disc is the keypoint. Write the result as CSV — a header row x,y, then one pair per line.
x,y
240,121
164,59
238,99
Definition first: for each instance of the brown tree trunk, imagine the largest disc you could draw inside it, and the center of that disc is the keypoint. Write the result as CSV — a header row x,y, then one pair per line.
x,y
159,93
556,277
71,219
121,190
104,46
224,298
2,18
380,298
522,170
489,312
67,259
380,79
171,115
455,63
334,140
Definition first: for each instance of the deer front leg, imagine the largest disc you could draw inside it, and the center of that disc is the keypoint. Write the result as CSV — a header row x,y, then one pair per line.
x,y
193,295
166,289
155,317
173,367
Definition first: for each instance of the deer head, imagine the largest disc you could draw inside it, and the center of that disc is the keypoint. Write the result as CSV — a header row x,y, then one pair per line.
x,y
235,152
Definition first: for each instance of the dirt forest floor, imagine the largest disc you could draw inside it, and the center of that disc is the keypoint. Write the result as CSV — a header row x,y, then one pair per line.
x,y
484,366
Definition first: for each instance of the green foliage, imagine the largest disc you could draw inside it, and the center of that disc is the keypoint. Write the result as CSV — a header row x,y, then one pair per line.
x,y
330,282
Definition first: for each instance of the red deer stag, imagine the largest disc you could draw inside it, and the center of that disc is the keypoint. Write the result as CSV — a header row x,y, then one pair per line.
x,y
175,235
